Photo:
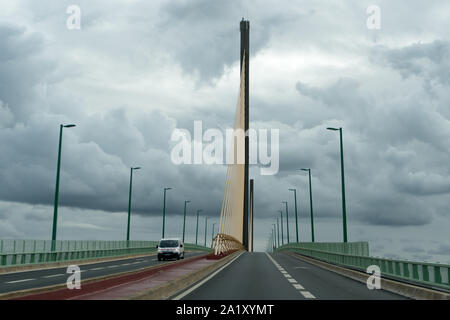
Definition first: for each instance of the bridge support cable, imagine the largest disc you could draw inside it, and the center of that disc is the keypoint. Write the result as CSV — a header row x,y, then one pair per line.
x,y
231,223
234,219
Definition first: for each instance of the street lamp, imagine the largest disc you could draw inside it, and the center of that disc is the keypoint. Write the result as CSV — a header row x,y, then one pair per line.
x,y
282,232
196,230
212,234
344,214
275,234
272,241
296,218
129,201
184,219
310,203
164,212
278,232
287,220
206,228
58,168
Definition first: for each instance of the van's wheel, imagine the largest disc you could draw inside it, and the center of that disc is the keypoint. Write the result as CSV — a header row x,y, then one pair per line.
x,y
182,256
178,257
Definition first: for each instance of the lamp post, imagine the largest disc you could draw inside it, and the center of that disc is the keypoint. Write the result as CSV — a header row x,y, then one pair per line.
x,y
275,234
196,230
344,213
58,168
287,220
296,218
272,241
129,201
212,234
206,228
164,212
310,203
184,219
278,232
282,232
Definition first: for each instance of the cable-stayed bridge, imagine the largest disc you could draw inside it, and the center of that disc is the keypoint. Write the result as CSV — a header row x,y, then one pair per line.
x,y
32,269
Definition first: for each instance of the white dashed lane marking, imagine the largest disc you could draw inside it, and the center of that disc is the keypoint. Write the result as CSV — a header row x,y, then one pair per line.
x,y
54,275
299,287
17,281
307,294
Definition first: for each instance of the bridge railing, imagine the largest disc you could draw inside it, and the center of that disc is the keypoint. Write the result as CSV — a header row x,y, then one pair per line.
x,y
421,273
29,252
353,248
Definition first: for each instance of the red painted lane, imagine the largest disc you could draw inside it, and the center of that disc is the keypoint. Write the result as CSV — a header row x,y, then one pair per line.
x,y
132,288
129,284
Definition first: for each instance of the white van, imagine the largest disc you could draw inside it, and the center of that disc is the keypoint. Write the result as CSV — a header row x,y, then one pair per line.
x,y
170,248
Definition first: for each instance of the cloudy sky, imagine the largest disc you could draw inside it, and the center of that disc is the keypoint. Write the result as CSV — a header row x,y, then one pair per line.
x,y
136,70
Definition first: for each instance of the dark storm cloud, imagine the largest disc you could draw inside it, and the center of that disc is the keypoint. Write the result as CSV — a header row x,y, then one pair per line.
x,y
22,68
410,172
204,35
317,66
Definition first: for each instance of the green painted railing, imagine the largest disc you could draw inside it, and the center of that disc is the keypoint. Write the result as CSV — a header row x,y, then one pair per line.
x,y
355,255
29,252
194,247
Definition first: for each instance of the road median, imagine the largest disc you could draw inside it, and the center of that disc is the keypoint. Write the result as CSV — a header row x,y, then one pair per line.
x,y
175,286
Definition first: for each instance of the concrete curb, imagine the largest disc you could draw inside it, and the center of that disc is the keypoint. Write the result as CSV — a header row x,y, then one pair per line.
x,y
175,286
30,292
401,288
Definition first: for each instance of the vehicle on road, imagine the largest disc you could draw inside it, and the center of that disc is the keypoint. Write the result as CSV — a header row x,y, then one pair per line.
x,y
170,248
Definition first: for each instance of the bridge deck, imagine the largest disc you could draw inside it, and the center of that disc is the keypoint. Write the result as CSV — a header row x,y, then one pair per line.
x,y
260,276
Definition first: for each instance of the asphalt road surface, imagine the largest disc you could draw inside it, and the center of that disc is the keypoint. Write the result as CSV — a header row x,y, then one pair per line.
x,y
262,276
46,277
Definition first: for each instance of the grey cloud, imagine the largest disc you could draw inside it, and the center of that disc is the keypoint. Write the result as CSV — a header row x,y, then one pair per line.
x,y
22,68
429,61
203,35
442,249
338,94
109,77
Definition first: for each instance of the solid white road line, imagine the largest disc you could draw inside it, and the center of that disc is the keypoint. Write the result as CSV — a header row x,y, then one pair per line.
x,y
17,281
185,293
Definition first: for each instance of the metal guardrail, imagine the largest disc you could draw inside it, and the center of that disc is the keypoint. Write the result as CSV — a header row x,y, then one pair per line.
x,y
423,273
29,252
